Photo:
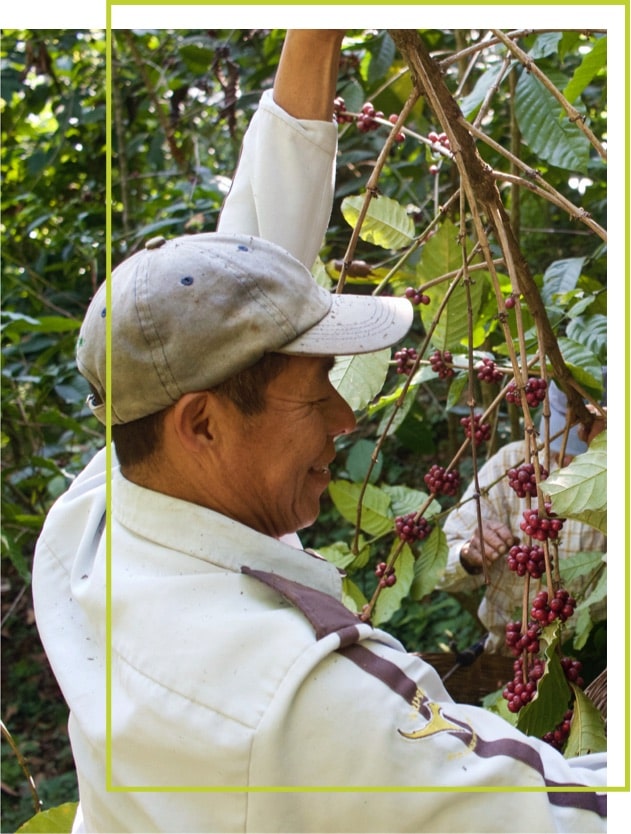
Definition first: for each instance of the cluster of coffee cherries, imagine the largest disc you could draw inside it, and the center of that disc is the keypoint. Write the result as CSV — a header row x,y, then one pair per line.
x,y
441,482
411,529
541,527
416,296
366,119
522,689
440,361
535,390
557,737
487,371
405,359
518,641
560,607
438,139
527,559
523,479
479,433
386,575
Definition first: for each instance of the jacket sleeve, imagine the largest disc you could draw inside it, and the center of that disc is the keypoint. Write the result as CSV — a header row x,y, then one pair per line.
x,y
371,717
283,187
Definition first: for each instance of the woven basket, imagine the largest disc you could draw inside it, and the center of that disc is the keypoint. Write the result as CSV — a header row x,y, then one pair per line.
x,y
597,693
469,684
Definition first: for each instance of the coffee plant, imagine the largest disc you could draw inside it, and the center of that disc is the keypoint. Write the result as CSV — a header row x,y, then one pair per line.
x,y
470,179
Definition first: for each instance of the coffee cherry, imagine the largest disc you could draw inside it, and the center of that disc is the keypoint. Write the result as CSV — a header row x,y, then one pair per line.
x,y
541,528
572,669
535,390
510,302
366,121
561,607
405,359
441,482
518,642
523,559
520,692
434,169
339,111
487,371
411,529
557,737
393,119
386,575
481,431
438,360
522,479
416,296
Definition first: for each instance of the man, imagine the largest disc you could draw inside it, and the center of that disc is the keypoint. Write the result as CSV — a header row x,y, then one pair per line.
x,y
502,511
228,687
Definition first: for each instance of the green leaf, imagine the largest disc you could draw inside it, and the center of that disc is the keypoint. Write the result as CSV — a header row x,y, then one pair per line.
x,y
580,490
583,613
555,141
581,564
471,102
441,254
197,58
338,554
389,599
57,820
591,332
359,461
430,565
584,365
18,323
358,379
560,276
406,500
587,730
546,44
352,597
550,704
382,51
592,63
387,224
376,518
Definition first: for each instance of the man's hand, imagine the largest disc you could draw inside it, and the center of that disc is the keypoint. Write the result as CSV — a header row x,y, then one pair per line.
x,y
307,73
498,539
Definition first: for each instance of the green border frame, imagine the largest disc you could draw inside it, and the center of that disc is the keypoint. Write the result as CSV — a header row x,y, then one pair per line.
x,y
627,459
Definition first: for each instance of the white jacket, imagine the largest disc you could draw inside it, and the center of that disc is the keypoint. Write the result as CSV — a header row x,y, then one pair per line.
x,y
230,690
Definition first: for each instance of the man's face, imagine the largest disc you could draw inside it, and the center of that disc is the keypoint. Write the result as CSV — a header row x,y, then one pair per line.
x,y
276,463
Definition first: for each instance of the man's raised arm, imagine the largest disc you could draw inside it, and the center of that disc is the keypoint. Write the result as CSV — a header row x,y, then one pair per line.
x,y
283,188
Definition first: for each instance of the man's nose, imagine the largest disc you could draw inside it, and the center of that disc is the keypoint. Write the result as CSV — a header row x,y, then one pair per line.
x,y
342,417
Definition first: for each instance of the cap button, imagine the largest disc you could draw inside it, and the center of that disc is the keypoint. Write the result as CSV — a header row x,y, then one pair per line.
x,y
155,242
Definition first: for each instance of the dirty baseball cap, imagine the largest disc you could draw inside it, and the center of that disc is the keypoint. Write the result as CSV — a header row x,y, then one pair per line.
x,y
189,313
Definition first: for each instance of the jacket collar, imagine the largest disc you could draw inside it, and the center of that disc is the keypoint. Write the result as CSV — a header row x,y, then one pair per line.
x,y
214,538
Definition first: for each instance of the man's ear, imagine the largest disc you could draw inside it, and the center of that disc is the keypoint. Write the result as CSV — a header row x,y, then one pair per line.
x,y
192,420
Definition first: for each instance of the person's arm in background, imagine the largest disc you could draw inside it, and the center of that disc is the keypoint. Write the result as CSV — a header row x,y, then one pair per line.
x,y
463,570
283,188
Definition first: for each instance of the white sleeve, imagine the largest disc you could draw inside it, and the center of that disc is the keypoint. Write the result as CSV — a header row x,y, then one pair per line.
x,y
283,187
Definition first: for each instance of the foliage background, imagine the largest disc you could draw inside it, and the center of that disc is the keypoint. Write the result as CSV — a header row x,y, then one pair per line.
x,y
181,102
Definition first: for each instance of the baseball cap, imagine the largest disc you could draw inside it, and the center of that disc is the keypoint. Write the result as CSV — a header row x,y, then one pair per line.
x,y
190,312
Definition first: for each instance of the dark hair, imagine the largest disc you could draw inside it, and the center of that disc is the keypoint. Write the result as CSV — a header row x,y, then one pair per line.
x,y
138,440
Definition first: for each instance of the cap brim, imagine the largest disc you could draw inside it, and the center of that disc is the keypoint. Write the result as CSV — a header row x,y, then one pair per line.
x,y
355,324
